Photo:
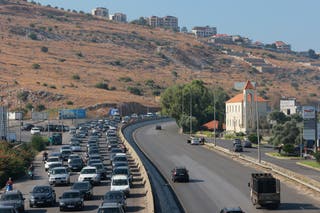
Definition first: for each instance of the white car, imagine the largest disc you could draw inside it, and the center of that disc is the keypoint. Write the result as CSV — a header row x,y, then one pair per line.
x,y
59,175
35,131
51,160
90,173
120,183
195,141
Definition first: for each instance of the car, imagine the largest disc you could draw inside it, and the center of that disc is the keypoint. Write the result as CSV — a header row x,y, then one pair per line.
x,y
75,147
42,195
237,148
231,210
35,131
101,169
54,165
90,173
158,127
27,127
119,163
119,157
85,188
236,141
123,170
13,198
8,209
71,199
111,207
195,141
115,197
51,160
247,144
59,175
74,156
65,153
120,183
93,161
75,164
180,174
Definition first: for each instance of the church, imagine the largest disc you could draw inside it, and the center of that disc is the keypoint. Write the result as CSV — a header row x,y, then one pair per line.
x,y
241,110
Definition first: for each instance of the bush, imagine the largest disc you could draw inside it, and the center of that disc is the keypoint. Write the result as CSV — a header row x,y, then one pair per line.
x,y
38,143
69,103
317,156
40,107
33,36
288,148
23,96
253,138
36,66
29,106
76,77
102,85
44,49
135,90
125,79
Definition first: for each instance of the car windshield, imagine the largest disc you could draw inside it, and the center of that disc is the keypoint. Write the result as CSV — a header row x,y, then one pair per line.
x,y
76,161
120,182
81,185
99,166
88,171
71,195
59,171
41,190
54,165
53,160
181,171
120,158
109,210
120,171
113,196
10,197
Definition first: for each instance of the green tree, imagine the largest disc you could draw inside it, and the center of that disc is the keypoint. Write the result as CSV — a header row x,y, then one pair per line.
x,y
279,117
287,133
38,143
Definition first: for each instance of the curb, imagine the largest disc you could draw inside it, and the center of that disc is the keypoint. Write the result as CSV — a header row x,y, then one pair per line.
x,y
312,184
310,167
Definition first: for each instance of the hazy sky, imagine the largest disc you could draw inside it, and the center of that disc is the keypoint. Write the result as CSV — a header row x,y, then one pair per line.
x,y
295,22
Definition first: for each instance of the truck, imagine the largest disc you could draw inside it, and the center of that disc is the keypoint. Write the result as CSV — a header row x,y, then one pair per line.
x,y
55,139
264,190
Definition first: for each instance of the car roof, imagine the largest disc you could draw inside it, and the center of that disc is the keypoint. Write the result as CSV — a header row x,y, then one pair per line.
x,y
232,209
110,205
72,190
16,191
60,167
89,167
119,177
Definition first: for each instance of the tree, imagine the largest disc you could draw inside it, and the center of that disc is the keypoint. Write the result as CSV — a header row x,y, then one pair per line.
x,y
140,21
279,117
287,133
312,54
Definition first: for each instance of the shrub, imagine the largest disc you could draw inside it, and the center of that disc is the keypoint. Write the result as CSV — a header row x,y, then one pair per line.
x,y
53,87
135,90
38,143
102,85
317,156
156,92
40,107
23,96
288,148
69,103
253,138
33,36
76,77
36,66
29,106
125,79
113,88
79,54
44,49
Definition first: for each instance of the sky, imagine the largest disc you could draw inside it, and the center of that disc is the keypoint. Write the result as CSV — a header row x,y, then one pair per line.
x,y
295,22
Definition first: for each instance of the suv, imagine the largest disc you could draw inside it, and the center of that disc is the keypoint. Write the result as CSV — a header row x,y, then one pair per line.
x,y
236,141
115,197
59,175
111,207
237,148
180,174
13,198
232,210
90,173
42,195
85,189
71,199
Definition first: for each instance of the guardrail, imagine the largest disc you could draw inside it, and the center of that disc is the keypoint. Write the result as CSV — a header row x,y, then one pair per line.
x,y
144,174
307,182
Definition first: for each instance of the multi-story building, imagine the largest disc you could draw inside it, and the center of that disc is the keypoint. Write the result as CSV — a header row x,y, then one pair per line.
x,y
168,22
288,106
280,45
101,12
202,32
241,110
119,17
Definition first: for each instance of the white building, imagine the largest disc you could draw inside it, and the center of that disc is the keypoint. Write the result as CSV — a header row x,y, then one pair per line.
x,y
288,106
241,110
119,17
203,32
101,12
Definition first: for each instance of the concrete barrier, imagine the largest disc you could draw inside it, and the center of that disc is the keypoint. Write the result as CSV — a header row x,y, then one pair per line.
x,y
307,182
144,174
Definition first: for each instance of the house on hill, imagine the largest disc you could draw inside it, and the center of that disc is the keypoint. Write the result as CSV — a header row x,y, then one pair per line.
x,y
241,110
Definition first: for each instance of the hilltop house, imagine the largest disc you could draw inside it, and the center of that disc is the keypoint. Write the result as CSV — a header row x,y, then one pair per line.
x,y
101,12
202,32
167,22
241,110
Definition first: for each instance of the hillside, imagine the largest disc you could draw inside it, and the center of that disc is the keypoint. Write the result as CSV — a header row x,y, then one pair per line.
x,y
58,59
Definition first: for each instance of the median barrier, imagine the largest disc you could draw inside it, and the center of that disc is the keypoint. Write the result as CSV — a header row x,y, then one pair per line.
x,y
307,182
144,174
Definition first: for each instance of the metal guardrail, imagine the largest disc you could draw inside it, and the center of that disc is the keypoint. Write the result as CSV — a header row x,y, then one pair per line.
x,y
312,184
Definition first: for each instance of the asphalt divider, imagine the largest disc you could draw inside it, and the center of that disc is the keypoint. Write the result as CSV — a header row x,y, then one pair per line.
x,y
148,190
305,181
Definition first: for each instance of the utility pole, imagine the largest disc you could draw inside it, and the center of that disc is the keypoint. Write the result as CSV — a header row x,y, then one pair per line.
x,y
214,117
316,127
257,118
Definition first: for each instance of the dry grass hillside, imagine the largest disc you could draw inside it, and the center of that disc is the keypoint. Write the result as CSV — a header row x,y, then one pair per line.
x,y
58,59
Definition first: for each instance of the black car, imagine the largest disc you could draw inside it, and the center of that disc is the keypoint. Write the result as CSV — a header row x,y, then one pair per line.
x,y
75,165
237,148
247,144
71,199
27,127
115,197
13,198
42,195
236,141
158,127
85,189
8,209
180,174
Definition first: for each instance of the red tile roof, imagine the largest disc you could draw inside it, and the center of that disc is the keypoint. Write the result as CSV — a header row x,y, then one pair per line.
x,y
248,85
239,98
211,125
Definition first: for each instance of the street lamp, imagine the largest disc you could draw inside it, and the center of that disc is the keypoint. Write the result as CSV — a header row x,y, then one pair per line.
x,y
257,119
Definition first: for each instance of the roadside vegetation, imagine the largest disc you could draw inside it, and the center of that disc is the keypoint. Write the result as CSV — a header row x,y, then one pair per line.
x,y
14,161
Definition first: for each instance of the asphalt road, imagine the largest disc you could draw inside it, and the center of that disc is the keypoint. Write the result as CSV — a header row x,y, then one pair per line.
x,y
135,201
215,181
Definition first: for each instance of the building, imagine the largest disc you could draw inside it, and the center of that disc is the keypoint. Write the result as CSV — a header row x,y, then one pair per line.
x,y
241,110
203,32
221,39
119,17
101,12
167,22
280,45
288,106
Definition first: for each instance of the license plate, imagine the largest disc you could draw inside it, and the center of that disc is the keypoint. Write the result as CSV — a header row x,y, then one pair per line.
x,y
70,206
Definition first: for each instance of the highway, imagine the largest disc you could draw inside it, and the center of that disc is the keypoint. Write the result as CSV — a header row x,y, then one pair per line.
x,y
216,181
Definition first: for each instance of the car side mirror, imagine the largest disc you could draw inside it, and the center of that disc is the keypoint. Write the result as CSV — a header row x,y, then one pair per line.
x,y
248,184
60,197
